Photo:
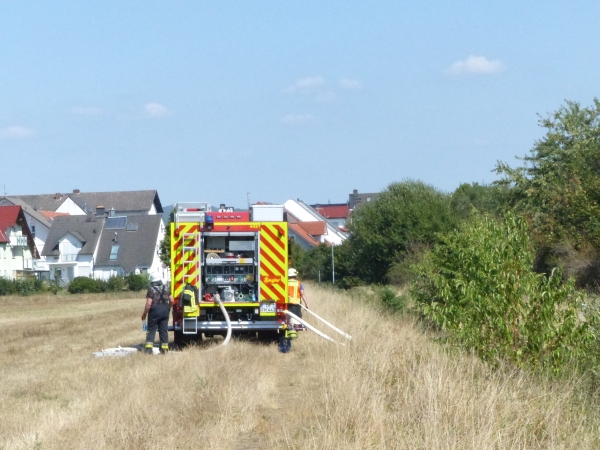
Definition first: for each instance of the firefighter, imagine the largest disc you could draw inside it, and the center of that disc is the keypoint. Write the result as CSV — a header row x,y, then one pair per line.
x,y
296,295
158,304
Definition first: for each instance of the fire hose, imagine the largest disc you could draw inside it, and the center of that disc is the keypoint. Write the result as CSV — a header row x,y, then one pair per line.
x,y
310,327
346,335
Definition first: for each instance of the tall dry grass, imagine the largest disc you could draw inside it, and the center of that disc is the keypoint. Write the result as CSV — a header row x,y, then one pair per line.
x,y
390,387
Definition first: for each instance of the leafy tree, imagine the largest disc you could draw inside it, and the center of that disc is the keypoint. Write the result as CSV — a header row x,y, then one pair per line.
x,y
478,282
558,187
482,197
165,244
405,216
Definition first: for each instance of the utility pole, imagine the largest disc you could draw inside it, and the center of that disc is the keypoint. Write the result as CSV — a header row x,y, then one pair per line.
x,y
332,263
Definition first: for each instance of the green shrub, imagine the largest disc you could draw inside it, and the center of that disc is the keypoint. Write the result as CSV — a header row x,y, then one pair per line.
x,y
390,298
479,283
81,285
7,287
137,282
116,283
25,287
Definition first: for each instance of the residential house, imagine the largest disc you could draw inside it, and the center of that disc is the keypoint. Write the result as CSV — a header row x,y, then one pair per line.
x,y
306,234
299,212
39,223
17,248
130,244
335,213
71,247
355,199
40,211
102,247
79,203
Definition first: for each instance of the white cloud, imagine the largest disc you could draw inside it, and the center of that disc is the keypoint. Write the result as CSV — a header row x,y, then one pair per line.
x,y
87,110
156,110
306,84
349,83
298,119
475,65
16,132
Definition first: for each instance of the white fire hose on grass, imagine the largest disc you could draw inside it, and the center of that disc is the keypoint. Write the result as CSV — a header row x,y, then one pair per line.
x,y
310,327
346,335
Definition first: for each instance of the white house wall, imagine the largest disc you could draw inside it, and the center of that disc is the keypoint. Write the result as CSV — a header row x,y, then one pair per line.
x,y
14,259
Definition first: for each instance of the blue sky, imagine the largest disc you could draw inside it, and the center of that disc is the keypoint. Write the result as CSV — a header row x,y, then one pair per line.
x,y
212,100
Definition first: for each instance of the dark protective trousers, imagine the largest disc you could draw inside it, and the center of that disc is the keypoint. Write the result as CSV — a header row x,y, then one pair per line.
x,y
158,318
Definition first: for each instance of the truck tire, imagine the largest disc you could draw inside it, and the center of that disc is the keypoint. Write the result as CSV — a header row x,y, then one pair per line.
x,y
184,340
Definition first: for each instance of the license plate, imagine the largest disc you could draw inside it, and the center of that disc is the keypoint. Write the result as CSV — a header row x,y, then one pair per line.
x,y
268,307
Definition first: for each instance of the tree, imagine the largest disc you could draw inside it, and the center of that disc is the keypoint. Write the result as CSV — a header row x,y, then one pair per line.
x,y
478,282
558,187
482,197
406,215
165,244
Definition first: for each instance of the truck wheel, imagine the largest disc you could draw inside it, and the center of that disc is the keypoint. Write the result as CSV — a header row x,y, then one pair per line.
x,y
183,340
268,336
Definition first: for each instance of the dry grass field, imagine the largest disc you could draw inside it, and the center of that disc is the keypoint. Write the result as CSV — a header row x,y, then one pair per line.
x,y
392,387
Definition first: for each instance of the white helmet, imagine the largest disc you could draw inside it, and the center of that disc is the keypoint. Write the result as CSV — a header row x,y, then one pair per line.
x,y
292,273
155,280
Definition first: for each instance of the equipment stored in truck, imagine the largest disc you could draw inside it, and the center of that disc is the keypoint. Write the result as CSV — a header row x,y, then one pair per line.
x,y
238,259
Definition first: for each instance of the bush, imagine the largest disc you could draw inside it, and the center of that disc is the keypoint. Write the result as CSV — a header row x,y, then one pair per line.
x,y
115,284
137,282
390,298
81,285
7,287
479,283
25,287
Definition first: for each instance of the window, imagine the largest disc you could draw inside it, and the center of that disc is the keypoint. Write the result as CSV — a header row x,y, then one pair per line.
x,y
114,251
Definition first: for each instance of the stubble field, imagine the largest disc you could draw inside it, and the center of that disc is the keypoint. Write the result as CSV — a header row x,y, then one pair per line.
x,y
391,387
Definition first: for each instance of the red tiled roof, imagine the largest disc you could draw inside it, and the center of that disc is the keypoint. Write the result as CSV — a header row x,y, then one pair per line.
x,y
333,211
8,218
318,228
52,214
296,228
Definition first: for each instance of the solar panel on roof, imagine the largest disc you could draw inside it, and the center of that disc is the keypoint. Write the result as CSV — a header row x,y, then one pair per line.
x,y
131,226
116,223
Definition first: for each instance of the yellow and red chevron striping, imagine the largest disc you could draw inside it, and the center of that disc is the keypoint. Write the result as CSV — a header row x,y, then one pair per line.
x,y
184,261
273,262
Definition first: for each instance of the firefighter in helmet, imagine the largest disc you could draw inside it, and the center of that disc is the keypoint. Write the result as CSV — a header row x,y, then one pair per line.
x,y
158,305
296,295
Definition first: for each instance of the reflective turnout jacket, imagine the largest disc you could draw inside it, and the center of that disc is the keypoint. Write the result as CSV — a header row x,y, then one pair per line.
x,y
295,289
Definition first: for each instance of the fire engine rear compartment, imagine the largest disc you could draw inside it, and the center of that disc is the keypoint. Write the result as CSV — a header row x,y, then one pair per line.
x,y
224,260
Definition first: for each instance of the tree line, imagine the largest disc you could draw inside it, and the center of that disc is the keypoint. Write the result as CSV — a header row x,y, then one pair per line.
x,y
509,267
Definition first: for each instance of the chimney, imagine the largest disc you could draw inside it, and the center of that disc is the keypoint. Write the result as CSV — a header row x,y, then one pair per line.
x,y
57,196
99,210
76,191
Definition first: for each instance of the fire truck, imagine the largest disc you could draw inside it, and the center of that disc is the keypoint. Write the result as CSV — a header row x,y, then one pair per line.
x,y
234,259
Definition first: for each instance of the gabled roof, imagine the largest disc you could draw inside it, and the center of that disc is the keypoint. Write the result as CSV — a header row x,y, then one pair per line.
x,y
136,247
318,228
88,201
85,228
52,214
28,209
11,216
118,200
337,211
42,202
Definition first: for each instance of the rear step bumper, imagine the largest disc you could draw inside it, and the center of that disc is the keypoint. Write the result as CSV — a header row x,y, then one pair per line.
x,y
235,325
